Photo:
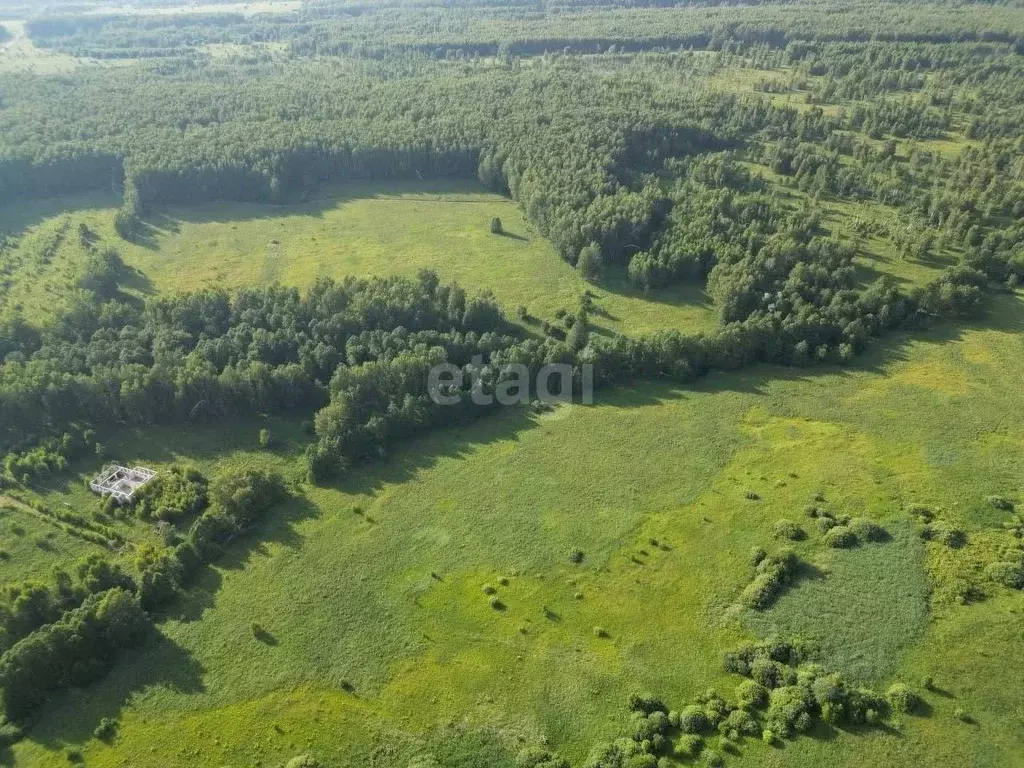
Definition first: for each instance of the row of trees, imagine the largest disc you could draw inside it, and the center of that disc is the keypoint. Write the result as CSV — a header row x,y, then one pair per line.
x,y
70,632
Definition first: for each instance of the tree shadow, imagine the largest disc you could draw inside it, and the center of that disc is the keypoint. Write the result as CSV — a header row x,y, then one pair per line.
x,y
71,717
513,236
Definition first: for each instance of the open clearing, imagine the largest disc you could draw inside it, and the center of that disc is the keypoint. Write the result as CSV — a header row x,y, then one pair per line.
x,y
361,229
349,596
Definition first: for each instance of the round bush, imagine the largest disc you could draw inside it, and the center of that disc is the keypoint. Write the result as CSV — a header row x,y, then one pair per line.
x,y
840,537
902,699
787,529
867,530
751,694
693,720
302,761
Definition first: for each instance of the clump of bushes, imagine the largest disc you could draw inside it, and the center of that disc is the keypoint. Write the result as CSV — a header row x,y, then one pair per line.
x,y
1009,574
787,529
772,574
173,495
944,533
535,757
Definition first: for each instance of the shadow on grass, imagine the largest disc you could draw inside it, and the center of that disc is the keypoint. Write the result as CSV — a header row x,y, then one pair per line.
x,y
71,717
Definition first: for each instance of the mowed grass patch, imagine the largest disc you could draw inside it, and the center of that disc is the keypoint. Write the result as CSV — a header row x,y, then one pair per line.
x,y
388,599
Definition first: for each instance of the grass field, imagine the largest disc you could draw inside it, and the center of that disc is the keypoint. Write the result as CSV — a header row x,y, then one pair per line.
x,y
348,597
362,229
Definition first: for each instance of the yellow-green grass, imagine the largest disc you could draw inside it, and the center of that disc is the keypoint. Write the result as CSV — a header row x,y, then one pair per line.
x,y
361,229
347,596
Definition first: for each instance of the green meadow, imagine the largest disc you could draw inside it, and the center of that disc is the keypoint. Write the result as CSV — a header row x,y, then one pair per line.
x,y
379,631
359,229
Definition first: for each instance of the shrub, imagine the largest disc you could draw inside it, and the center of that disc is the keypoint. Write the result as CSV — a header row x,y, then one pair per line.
x,y
753,496
488,589
757,554
789,710
751,694
787,529
600,632
1000,503
773,573
1008,574
742,722
841,537
106,730
768,736
688,745
768,672
868,530
826,523
902,699
712,758
643,760
536,757
693,719
646,703
496,604
496,226
576,556
921,512
302,761
266,439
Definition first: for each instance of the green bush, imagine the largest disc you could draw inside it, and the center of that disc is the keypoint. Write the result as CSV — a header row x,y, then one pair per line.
x,y
841,537
751,694
1008,574
787,529
1000,502
106,730
772,574
688,745
693,719
646,703
868,530
302,761
902,699
742,722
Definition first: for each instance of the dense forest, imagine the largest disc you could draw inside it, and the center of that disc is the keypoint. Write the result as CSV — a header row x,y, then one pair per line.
x,y
616,129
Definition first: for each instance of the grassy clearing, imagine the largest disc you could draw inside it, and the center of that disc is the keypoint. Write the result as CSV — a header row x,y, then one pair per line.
x,y
362,229
349,597
34,547
20,54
